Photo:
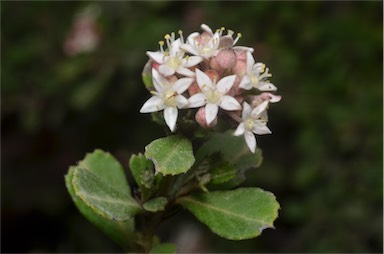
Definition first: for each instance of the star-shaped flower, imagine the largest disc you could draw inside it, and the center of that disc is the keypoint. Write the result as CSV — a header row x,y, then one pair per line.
x,y
173,60
256,76
168,97
213,95
253,123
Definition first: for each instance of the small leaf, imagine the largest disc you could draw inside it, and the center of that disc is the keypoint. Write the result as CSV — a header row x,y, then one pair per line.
x,y
235,215
104,198
164,248
142,170
222,173
120,231
156,204
171,155
147,75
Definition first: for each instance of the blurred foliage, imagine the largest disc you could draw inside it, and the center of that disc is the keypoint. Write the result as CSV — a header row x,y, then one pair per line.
x,y
324,160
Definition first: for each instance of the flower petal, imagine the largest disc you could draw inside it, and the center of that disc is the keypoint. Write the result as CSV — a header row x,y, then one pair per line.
x,y
256,111
250,140
181,101
206,28
192,61
181,85
239,130
158,81
211,112
156,56
266,86
225,84
229,103
261,129
185,72
202,79
153,104
196,100
170,116
190,49
166,70
246,111
250,61
245,83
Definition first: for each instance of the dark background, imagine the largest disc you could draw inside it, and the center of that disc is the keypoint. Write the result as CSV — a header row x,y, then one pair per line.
x,y
324,160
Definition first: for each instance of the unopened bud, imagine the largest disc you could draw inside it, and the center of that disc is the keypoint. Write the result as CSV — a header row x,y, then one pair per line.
x,y
193,89
226,58
213,75
201,120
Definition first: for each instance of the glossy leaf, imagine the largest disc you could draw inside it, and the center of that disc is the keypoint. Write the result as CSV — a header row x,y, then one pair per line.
x,y
237,214
171,155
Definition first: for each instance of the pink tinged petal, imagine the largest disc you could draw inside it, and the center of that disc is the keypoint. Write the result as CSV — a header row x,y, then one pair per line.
x,y
158,81
266,86
154,104
257,111
261,129
211,112
202,79
170,116
192,61
166,70
229,103
185,72
239,130
197,100
246,111
250,61
245,83
250,140
156,56
181,101
181,85
191,38
225,84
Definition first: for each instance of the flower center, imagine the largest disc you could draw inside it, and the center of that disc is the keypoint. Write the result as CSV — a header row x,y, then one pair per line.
x,y
254,80
170,98
173,62
213,96
249,124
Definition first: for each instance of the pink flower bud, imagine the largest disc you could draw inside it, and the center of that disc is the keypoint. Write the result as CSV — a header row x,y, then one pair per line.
x,y
201,120
240,69
193,89
226,41
213,75
226,58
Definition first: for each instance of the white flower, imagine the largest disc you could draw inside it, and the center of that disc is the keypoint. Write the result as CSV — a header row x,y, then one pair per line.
x,y
256,76
204,45
213,95
253,123
167,97
173,60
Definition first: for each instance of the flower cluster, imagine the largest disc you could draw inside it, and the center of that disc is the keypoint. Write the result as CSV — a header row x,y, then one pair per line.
x,y
208,72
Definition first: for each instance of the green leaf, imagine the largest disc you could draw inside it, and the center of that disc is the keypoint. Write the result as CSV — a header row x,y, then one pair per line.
x,y
164,248
235,215
156,204
222,173
104,198
142,171
171,155
232,149
121,232
105,166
